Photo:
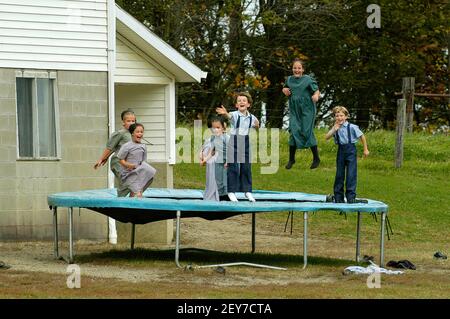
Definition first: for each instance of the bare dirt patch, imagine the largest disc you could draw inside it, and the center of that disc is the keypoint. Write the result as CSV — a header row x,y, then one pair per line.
x,y
232,235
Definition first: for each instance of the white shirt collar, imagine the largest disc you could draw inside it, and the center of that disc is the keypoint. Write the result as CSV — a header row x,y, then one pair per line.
x,y
244,115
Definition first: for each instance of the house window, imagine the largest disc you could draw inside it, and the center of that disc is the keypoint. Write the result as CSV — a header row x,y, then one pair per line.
x,y
37,115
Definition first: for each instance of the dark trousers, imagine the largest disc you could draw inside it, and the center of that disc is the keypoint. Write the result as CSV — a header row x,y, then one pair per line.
x,y
346,169
239,171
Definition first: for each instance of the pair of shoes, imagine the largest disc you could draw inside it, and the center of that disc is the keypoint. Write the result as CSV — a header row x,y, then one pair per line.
x,y
289,164
392,263
220,270
405,264
315,164
357,201
4,266
250,197
232,197
439,255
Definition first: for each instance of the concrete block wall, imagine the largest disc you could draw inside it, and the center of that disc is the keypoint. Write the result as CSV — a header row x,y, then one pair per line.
x,y
25,185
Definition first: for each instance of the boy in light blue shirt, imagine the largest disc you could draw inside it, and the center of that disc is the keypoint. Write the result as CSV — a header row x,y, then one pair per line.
x,y
345,136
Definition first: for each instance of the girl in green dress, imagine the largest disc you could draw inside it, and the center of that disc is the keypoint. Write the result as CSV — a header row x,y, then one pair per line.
x,y
303,93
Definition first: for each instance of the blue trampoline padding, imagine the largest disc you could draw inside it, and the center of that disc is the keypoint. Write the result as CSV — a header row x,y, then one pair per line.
x,y
163,203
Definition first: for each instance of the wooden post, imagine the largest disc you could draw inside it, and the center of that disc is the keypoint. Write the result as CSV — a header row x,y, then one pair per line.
x,y
400,131
408,94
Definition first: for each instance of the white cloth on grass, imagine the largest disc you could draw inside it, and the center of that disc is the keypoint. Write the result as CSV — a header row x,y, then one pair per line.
x,y
370,270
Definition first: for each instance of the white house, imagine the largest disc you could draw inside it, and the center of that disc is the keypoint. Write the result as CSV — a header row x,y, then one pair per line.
x,y
67,71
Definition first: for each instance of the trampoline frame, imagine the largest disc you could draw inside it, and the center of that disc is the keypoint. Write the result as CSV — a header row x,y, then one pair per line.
x,y
70,258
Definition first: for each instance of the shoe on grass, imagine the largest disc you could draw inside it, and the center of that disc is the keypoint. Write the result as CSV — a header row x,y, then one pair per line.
x,y
439,255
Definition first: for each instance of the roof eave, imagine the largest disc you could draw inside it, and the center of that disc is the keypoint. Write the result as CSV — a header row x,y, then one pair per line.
x,y
169,58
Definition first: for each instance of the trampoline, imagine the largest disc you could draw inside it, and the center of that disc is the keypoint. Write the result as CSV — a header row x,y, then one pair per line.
x,y
162,203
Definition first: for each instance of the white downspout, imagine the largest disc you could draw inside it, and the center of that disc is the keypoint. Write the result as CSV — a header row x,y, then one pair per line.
x,y
112,236
172,129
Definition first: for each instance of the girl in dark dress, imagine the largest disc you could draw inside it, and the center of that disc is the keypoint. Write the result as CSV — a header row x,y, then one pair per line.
x,y
303,93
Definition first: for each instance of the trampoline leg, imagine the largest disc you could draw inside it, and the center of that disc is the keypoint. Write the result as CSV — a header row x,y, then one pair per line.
x,y
177,252
358,237
70,217
253,232
292,221
133,232
55,230
383,221
177,240
305,239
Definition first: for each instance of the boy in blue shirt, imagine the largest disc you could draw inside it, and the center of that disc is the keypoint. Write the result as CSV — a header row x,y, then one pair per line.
x,y
345,136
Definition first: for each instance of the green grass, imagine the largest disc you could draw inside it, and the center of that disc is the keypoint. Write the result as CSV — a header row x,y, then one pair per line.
x,y
417,193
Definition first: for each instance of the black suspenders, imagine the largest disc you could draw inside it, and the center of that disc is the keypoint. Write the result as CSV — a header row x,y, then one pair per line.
x,y
239,122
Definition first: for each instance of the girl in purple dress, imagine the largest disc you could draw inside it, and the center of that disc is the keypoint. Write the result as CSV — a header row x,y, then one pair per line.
x,y
136,174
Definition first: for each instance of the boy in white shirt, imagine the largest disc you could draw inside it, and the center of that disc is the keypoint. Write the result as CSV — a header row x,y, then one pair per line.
x,y
239,169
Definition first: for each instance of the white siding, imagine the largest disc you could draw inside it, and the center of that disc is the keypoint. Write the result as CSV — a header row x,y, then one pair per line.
x,y
149,104
54,34
133,66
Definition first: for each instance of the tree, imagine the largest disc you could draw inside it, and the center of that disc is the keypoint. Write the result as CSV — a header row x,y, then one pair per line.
x,y
250,44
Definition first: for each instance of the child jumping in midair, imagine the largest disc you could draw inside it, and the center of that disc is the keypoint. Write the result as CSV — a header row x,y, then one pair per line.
x,y
136,174
345,136
239,171
213,155
303,93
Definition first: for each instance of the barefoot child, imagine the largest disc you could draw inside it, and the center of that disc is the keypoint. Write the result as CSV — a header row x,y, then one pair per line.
x,y
239,175
345,136
213,155
136,174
